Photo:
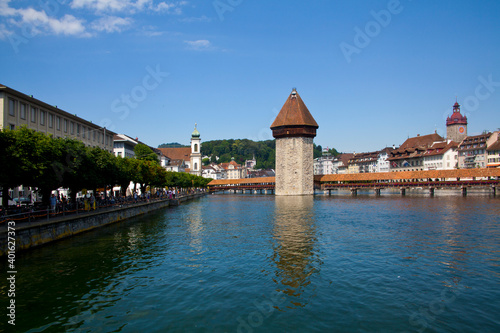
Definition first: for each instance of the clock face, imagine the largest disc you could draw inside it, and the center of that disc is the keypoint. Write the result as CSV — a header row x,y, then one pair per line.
x,y
461,129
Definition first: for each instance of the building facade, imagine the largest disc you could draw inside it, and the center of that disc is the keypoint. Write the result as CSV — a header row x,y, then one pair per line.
x,y
441,156
18,109
410,156
294,129
363,162
494,155
473,150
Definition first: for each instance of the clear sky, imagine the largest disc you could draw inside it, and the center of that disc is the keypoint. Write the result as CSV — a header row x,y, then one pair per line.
x,y
372,73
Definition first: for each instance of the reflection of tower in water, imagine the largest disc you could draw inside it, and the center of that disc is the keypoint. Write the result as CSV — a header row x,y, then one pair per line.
x,y
294,252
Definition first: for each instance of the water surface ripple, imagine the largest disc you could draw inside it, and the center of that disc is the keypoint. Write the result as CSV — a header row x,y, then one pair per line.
x,y
258,263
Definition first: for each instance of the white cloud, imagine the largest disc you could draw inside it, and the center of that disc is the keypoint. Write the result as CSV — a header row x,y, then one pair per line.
x,y
40,22
106,16
111,24
4,32
101,5
129,6
5,10
199,45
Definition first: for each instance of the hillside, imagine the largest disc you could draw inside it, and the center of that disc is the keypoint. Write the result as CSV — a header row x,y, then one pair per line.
x,y
244,149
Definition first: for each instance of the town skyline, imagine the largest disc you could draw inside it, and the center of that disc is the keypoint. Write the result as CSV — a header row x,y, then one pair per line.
x,y
384,70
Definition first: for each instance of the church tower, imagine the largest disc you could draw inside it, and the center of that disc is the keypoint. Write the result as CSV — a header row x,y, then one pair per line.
x,y
195,153
456,125
294,129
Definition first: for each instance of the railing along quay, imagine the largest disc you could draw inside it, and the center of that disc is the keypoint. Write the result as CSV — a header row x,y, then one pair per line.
x,y
27,214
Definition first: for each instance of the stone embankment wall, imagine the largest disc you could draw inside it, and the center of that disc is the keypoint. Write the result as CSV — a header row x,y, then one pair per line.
x,y
29,235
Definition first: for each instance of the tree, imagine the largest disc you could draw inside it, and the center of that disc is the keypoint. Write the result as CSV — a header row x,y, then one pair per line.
x,y
37,153
125,174
11,175
143,152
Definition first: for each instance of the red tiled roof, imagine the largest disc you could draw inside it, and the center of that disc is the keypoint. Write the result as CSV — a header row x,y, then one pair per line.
x,y
345,158
177,153
440,148
419,141
294,113
494,146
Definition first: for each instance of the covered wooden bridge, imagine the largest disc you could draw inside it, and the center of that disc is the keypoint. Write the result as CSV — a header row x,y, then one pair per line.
x,y
431,180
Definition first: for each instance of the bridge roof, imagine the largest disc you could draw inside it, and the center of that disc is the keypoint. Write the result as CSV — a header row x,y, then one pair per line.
x,y
356,177
294,113
242,181
460,173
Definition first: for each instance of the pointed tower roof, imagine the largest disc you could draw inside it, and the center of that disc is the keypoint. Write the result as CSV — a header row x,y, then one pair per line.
x,y
456,117
294,119
294,113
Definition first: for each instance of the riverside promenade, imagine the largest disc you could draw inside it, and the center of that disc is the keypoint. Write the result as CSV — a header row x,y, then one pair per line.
x,y
24,235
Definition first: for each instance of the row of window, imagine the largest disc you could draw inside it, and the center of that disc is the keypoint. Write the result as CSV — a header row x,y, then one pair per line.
x,y
49,119
472,152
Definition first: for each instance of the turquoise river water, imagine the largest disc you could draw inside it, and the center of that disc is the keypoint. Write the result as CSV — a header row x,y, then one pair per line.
x,y
260,263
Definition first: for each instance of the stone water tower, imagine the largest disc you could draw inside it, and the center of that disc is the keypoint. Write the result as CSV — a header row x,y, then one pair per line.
x,y
294,129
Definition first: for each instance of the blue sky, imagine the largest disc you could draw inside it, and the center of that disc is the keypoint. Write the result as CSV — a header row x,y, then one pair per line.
x,y
372,73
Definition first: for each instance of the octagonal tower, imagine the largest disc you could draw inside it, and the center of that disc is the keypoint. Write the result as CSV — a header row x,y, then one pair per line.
x,y
294,129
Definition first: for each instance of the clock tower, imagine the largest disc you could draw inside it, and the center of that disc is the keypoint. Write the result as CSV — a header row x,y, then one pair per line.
x,y
456,125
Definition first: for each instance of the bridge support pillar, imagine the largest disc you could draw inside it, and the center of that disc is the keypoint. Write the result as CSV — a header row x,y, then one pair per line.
x,y
329,192
464,191
354,191
377,192
494,190
403,191
431,191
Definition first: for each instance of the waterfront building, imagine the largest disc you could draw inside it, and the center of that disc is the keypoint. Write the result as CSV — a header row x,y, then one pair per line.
x,y
324,165
234,170
364,162
341,163
472,151
410,155
441,156
383,164
456,125
18,109
494,155
195,158
124,145
210,171
294,129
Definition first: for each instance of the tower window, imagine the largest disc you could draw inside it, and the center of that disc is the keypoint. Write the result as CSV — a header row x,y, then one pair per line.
x,y
195,147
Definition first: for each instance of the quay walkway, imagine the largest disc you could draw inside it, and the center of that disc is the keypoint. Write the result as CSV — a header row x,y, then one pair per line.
x,y
41,227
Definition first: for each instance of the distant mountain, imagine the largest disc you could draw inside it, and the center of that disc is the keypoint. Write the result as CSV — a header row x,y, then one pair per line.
x,y
172,145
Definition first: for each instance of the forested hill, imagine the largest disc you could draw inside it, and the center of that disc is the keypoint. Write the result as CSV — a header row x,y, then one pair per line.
x,y
171,145
244,149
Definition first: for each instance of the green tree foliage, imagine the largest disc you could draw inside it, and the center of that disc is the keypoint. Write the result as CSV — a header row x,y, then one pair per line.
x,y
172,145
241,150
144,153
244,149
34,159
